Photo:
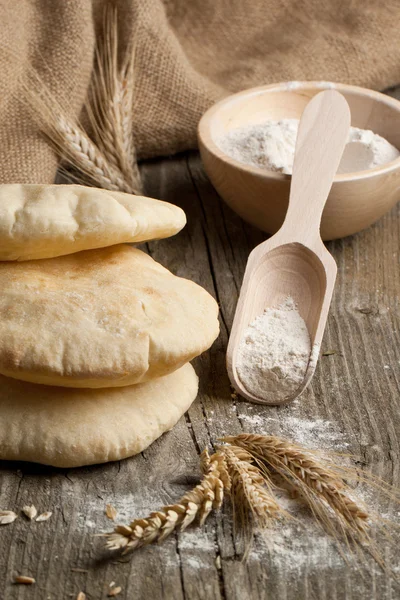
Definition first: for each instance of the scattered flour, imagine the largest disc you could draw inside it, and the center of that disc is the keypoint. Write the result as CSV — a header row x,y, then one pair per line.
x,y
291,549
197,548
287,549
270,145
312,433
197,539
274,353
90,524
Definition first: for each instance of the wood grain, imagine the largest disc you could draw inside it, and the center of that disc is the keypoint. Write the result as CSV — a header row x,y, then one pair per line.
x,y
357,389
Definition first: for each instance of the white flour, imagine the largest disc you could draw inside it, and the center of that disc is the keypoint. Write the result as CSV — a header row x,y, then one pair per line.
x,y
270,145
313,433
274,352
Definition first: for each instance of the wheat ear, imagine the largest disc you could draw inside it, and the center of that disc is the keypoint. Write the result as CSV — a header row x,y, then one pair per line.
x,y
195,504
108,161
70,140
320,485
251,490
110,102
82,154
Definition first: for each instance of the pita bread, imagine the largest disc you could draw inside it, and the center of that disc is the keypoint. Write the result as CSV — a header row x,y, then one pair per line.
x,y
43,221
100,318
71,428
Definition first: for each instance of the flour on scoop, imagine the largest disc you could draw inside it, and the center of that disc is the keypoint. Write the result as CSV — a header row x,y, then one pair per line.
x,y
274,353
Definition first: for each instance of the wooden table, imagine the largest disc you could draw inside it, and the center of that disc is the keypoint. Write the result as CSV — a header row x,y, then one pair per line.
x,y
353,404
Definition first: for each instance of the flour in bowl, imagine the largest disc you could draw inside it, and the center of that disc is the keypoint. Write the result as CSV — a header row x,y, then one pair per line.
x,y
274,352
270,145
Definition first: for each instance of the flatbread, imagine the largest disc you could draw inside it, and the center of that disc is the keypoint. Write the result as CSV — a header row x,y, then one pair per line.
x,y
100,318
43,221
71,428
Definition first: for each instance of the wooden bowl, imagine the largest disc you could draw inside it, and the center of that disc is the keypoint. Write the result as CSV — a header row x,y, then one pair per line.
x,y
261,197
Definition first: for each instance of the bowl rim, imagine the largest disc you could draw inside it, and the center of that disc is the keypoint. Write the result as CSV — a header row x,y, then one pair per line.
x,y
205,136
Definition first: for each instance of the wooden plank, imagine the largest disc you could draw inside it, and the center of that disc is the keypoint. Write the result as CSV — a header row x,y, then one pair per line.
x,y
356,390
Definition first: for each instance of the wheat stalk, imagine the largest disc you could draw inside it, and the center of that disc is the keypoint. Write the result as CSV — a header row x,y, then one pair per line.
x,y
251,491
195,504
110,103
70,140
320,485
247,467
230,469
108,161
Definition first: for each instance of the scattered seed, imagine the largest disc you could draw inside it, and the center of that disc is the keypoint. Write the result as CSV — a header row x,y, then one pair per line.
x,y
111,584
77,570
44,516
30,512
218,562
7,517
329,353
114,592
81,596
111,512
24,579
367,310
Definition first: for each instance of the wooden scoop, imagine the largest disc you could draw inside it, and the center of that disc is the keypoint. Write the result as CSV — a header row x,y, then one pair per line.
x,y
294,262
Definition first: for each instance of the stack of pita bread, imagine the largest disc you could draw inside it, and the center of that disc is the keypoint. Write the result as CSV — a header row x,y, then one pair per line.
x,y
95,336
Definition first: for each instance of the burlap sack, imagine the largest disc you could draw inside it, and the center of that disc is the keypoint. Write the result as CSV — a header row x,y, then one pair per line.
x,y
189,54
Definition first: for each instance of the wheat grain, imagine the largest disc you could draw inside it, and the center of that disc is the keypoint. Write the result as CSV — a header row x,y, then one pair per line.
x,y
30,512
24,579
111,512
216,464
205,461
114,592
79,570
44,516
7,517
81,596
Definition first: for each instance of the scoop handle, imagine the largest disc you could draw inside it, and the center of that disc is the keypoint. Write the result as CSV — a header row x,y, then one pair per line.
x,y
322,135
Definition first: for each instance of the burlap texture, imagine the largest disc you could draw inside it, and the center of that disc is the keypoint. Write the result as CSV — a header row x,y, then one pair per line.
x,y
189,53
